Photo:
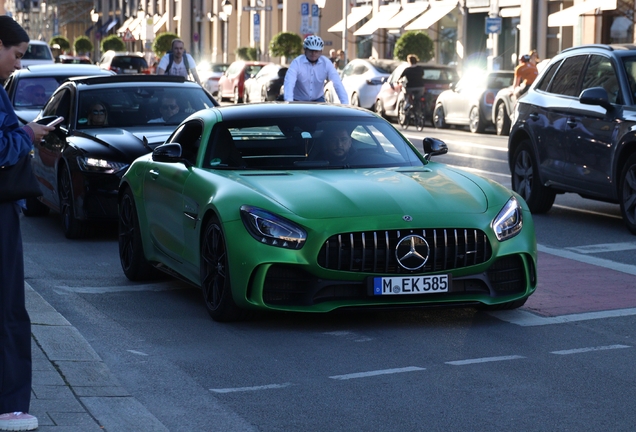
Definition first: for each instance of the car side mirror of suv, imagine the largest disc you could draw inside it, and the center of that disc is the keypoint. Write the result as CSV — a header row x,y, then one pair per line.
x,y
595,96
434,147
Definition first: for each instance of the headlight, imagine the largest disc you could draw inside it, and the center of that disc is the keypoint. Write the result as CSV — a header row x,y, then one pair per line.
x,y
271,229
509,221
100,165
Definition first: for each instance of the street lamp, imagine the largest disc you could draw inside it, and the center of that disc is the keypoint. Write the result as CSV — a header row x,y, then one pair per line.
x,y
227,8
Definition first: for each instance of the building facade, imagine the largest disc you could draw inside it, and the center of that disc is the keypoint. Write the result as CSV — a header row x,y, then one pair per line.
x,y
487,33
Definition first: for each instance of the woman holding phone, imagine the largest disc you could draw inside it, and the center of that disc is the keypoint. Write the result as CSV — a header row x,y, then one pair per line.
x,y
15,326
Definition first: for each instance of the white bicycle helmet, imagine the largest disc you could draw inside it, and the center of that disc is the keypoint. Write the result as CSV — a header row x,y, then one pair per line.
x,y
313,42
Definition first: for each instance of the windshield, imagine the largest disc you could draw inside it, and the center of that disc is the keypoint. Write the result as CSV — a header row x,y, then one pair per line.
x,y
37,52
137,106
32,93
308,143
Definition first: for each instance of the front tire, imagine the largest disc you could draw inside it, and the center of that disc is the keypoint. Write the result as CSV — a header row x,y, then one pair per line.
x,y
237,97
73,228
215,276
439,120
379,108
476,124
131,249
502,120
526,181
627,193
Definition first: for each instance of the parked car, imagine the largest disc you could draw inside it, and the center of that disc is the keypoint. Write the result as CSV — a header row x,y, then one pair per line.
x,y
573,130
209,74
469,102
266,84
362,79
437,78
37,53
29,89
108,122
124,62
74,59
376,232
232,83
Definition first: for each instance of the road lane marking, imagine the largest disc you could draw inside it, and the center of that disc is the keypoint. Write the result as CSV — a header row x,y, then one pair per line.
x,y
600,262
527,319
137,352
164,286
377,372
484,360
605,247
589,349
592,212
255,388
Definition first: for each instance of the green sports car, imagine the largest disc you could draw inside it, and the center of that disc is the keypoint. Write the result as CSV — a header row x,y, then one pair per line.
x,y
314,207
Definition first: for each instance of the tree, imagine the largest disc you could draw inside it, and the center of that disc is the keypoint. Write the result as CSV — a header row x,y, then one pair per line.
x,y
63,43
286,44
414,42
113,42
163,43
83,45
246,53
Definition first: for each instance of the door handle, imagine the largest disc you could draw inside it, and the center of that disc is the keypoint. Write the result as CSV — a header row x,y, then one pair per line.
x,y
534,116
571,122
154,174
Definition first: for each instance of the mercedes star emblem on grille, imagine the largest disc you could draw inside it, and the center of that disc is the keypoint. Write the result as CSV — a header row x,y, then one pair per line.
x,y
407,218
412,252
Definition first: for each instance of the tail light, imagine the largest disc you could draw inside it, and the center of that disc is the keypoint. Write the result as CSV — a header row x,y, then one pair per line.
x,y
115,69
490,98
145,71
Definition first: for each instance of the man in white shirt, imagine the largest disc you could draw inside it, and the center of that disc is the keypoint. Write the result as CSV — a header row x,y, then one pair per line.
x,y
305,78
178,62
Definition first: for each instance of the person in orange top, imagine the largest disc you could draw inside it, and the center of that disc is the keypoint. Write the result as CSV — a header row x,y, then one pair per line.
x,y
525,74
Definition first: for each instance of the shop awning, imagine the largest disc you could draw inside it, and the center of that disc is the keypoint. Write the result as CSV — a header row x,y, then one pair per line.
x,y
159,24
409,13
385,13
570,16
357,14
125,25
437,11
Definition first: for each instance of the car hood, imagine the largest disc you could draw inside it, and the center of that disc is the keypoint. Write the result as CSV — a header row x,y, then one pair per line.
x,y
359,192
128,143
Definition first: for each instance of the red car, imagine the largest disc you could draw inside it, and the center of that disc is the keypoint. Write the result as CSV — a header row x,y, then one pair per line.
x,y
232,83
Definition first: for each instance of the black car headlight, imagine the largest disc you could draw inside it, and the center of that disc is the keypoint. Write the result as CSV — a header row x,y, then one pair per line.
x,y
100,165
271,229
509,221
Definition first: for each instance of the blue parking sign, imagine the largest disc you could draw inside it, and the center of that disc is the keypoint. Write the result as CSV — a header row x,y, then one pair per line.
x,y
493,25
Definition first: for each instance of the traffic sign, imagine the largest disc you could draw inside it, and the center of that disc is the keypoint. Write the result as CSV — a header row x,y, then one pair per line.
x,y
493,25
128,36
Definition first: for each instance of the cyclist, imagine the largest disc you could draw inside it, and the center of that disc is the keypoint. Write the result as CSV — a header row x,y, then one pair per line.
x,y
412,78
305,78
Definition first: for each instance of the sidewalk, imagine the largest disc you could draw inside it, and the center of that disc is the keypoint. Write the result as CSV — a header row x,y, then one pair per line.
x,y
73,390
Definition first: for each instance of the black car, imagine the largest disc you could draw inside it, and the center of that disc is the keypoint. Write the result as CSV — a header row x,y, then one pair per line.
x,y
31,87
575,130
108,123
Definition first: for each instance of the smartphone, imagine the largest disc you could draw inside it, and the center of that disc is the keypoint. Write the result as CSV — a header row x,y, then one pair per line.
x,y
56,122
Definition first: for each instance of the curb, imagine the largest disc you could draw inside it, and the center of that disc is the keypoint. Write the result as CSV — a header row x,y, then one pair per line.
x,y
72,388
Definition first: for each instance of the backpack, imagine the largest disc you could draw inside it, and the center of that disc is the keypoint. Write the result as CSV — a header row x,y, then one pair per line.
x,y
185,62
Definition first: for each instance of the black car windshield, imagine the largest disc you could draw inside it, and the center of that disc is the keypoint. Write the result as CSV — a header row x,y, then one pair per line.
x,y
122,107
32,93
308,143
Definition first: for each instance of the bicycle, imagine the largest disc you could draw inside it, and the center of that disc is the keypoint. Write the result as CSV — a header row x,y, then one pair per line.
x,y
413,111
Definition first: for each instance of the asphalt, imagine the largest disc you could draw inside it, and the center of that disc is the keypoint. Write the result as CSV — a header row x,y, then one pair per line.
x,y
73,390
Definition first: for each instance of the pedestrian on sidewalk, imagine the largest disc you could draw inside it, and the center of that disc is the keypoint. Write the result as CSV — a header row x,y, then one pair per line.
x,y
15,325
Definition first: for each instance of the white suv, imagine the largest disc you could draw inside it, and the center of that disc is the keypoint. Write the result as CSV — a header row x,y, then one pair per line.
x,y
38,52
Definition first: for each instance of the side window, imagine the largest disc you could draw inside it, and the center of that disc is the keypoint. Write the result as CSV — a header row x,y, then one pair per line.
x,y
601,73
566,80
189,136
547,77
60,105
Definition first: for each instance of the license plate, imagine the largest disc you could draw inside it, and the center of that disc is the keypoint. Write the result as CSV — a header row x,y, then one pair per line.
x,y
408,285
435,91
130,71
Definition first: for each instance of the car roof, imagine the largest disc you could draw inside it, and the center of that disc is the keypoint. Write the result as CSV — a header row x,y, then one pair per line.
x,y
38,42
284,109
136,78
61,69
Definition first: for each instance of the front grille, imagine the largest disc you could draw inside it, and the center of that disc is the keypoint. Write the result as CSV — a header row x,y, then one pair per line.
x,y
374,251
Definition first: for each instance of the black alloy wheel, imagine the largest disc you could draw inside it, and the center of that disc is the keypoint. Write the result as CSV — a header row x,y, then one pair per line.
x,y
627,193
526,181
73,228
439,120
215,278
502,120
131,250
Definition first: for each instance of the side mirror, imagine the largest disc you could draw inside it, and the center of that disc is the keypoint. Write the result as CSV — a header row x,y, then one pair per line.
x,y
167,153
595,96
434,147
